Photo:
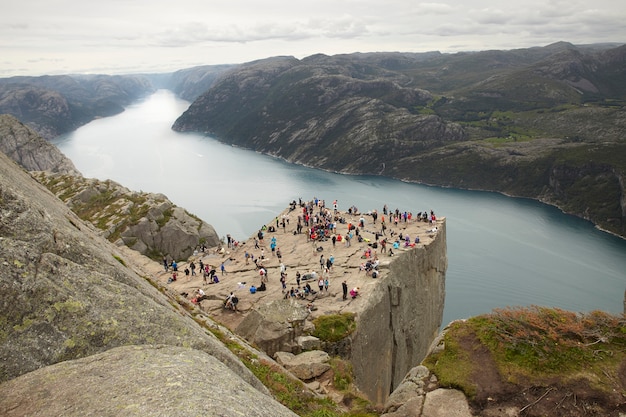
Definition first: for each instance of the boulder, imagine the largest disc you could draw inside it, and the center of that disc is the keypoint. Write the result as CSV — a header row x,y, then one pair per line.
x,y
308,342
409,396
274,326
446,403
136,380
305,366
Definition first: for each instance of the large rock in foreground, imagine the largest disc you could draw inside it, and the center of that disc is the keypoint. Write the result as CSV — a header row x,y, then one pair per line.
x,y
136,380
67,293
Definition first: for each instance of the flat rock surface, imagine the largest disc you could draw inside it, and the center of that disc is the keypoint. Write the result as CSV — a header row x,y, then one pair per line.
x,y
298,255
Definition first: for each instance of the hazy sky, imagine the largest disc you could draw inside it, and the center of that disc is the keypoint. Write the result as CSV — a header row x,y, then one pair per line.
x,y
125,36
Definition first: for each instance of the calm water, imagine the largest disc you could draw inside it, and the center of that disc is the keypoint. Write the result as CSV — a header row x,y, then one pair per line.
x,y
501,251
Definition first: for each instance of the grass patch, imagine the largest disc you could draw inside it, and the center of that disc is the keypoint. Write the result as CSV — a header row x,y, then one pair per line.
x,y
551,341
534,345
342,374
453,366
334,327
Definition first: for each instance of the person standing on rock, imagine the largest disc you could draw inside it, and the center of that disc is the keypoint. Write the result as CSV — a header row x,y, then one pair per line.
x,y
192,265
223,268
320,284
322,262
273,245
165,264
344,287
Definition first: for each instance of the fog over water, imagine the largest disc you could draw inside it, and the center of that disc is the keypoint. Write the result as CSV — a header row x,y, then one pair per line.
x,y
501,251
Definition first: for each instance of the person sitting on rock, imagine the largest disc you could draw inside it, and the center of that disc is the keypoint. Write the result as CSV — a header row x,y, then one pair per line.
x,y
231,302
308,289
200,295
354,292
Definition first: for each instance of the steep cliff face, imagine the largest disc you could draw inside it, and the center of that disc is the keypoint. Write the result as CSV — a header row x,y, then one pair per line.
x,y
400,319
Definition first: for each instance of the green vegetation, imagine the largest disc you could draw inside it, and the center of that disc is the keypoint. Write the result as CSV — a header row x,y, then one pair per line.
x,y
342,374
453,366
334,327
120,260
105,205
167,215
533,344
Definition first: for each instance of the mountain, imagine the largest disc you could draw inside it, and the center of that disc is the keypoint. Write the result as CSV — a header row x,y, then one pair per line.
x,y
53,105
545,123
325,112
192,82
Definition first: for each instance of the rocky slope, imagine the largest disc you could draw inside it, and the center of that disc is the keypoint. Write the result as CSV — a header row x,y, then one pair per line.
x,y
543,123
533,361
67,294
146,222
137,380
30,150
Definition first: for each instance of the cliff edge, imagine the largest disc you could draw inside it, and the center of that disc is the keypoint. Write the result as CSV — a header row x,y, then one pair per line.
x,y
397,314
67,293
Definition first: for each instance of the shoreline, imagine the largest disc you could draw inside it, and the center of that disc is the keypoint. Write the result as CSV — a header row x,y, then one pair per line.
x,y
410,181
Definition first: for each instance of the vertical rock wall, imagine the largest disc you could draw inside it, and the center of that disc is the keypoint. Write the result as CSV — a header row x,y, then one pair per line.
x,y
401,318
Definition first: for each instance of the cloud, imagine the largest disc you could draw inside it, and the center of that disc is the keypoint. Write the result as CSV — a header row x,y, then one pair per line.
x,y
343,27
434,8
60,35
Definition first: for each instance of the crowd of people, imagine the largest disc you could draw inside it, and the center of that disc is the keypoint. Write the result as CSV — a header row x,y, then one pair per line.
x,y
324,228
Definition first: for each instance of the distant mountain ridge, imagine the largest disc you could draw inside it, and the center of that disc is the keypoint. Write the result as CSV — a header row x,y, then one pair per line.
x,y
545,123
53,105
